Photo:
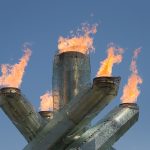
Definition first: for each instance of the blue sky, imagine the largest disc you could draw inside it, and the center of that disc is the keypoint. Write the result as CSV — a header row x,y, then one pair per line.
x,y
41,22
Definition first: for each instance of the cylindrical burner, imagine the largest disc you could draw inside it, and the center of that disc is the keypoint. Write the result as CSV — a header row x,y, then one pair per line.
x,y
71,73
21,112
48,115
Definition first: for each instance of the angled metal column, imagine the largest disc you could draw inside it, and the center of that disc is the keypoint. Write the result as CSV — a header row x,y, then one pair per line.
x,y
83,125
21,112
103,90
108,130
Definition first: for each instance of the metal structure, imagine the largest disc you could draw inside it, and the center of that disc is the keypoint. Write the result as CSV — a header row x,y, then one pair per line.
x,y
21,112
95,98
106,132
76,102
71,73
48,115
88,104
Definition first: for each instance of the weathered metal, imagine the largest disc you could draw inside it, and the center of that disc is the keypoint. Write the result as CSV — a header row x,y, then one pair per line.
x,y
71,73
106,132
103,90
21,112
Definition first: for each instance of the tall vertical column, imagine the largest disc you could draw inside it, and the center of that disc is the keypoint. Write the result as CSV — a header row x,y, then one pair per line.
x,y
71,73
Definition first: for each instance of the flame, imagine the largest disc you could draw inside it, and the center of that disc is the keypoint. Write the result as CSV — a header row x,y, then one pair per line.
x,y
131,90
12,74
46,102
81,43
114,55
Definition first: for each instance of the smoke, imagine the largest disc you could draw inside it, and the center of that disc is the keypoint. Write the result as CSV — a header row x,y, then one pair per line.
x,y
12,74
81,41
131,90
114,56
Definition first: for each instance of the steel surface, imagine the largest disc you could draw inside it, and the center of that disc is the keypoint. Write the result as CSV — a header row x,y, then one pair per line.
x,y
103,135
21,112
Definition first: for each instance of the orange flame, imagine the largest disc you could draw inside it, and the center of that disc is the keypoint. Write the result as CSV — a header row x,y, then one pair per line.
x,y
12,74
114,55
131,91
46,102
80,43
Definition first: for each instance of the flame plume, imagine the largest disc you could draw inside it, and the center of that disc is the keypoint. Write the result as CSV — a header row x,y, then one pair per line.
x,y
12,74
131,90
114,55
46,103
81,43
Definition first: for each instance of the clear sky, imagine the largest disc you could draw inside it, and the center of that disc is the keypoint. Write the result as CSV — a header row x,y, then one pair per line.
x,y
41,22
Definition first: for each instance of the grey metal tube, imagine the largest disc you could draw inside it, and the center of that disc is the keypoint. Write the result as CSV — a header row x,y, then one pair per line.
x,y
81,106
48,115
55,84
21,112
104,89
83,125
71,72
108,130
